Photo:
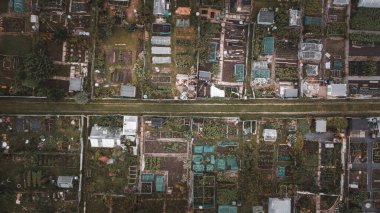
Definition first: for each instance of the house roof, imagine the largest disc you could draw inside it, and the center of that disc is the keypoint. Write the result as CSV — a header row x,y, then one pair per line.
x,y
320,125
369,3
75,84
183,11
161,50
128,91
130,124
159,7
265,17
277,205
294,18
337,90
204,75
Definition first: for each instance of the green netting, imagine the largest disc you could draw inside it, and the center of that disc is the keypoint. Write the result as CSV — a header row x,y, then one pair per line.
x,y
227,143
261,73
160,183
268,45
197,159
221,164
232,163
18,6
209,168
313,21
239,72
338,64
213,46
147,177
198,149
227,209
198,168
280,171
208,149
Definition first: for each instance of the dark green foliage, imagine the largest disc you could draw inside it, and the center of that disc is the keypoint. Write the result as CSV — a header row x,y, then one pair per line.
x,y
366,19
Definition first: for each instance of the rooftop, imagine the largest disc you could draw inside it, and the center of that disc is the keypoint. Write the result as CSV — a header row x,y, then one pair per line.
x,y
320,125
277,205
265,17
294,18
337,90
128,91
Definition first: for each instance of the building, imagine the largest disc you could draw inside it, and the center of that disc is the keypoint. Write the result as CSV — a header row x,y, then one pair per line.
x,y
130,127
128,91
65,182
270,134
358,127
369,3
265,17
204,76
294,18
336,90
161,50
105,137
277,205
320,125
288,92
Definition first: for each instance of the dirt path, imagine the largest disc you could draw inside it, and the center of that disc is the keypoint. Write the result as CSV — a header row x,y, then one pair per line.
x,y
130,11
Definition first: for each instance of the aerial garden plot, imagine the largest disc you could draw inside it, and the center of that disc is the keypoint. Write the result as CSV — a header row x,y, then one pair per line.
x,y
165,164
215,162
40,163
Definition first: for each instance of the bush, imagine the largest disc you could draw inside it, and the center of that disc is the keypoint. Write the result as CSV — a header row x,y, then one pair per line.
x,y
81,98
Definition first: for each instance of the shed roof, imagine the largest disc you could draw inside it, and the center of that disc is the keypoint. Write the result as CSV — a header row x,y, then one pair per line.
x,y
337,90
161,60
270,134
159,7
277,205
204,75
265,17
182,22
359,124
268,45
106,137
216,92
128,91
341,2
161,40
320,125
290,93
75,84
369,3
161,50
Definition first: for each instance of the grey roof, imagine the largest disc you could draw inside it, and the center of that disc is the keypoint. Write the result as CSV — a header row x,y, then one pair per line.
x,y
369,3
75,84
320,125
204,75
65,182
265,17
341,2
128,91
159,7
277,205
291,93
182,22
101,132
337,90
161,50
161,40
359,124
157,122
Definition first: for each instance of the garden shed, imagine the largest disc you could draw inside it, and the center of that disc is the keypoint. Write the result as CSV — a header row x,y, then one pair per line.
x,y
159,7
161,60
337,90
75,84
204,75
265,17
312,21
320,125
277,205
128,91
161,40
105,137
65,182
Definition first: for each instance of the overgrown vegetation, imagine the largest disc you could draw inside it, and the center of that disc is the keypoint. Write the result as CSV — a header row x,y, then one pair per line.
x,y
287,73
364,37
337,28
366,19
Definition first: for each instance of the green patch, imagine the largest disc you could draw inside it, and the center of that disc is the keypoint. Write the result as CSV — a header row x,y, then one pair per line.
x,y
15,45
366,19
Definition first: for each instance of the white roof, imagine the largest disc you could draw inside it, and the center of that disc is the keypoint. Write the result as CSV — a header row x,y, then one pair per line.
x,y
337,90
161,40
33,18
216,92
65,182
161,50
130,124
277,205
159,7
320,125
369,3
294,18
161,60
270,134
105,137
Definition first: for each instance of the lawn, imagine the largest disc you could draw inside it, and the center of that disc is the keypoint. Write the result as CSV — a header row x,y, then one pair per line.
x,y
15,45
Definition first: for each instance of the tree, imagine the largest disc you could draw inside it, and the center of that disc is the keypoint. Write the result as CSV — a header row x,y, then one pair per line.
x,y
337,123
61,34
36,67
56,94
81,98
